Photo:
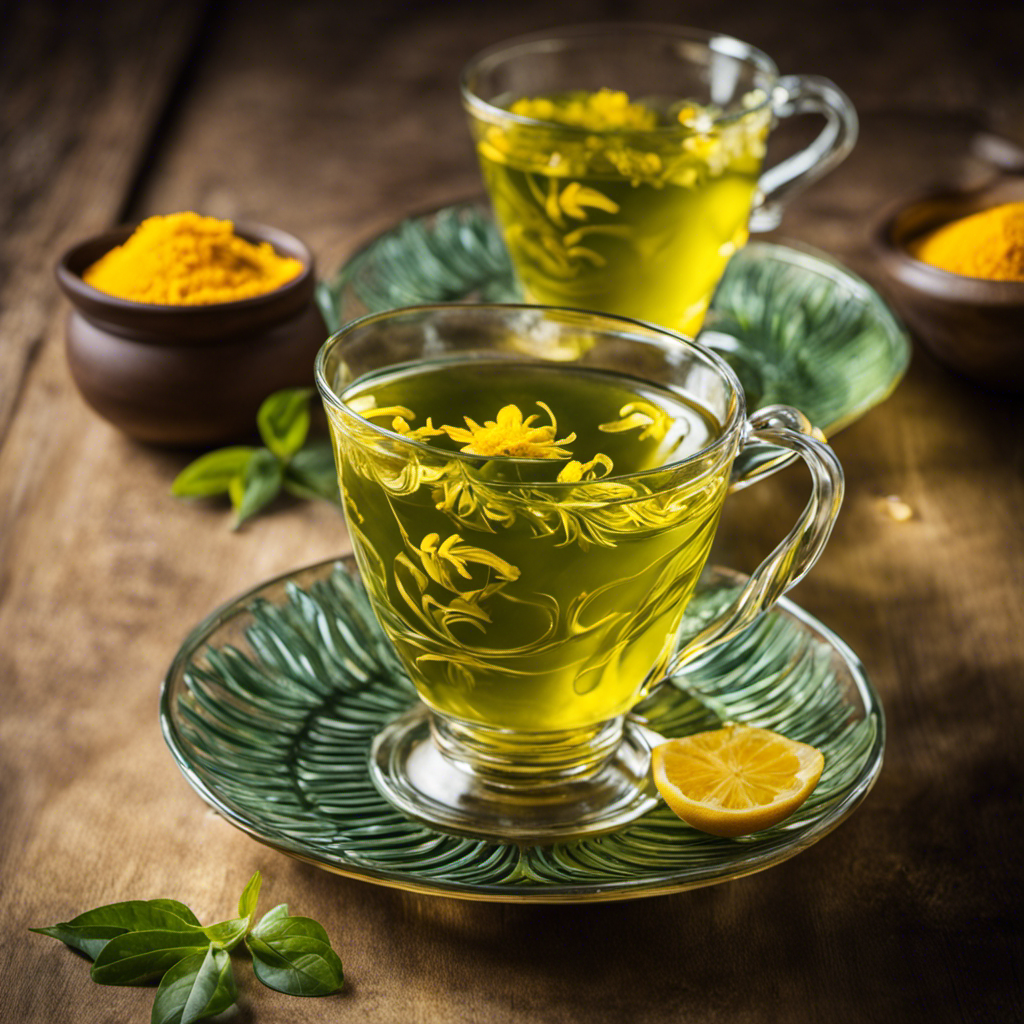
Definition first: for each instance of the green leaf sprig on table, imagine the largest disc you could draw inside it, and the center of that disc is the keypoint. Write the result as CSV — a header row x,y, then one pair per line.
x,y
140,941
253,477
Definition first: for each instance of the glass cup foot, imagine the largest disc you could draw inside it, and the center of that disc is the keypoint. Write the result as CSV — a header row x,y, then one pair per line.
x,y
447,792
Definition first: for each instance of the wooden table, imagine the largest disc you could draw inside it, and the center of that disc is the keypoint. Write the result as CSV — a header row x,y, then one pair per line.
x,y
333,121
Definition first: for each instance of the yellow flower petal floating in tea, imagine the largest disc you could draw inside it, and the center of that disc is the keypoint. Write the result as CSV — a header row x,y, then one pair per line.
x,y
400,426
575,196
400,420
654,421
437,555
576,471
599,111
369,412
510,435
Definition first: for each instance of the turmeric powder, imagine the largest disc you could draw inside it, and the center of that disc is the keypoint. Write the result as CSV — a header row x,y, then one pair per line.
x,y
989,245
184,259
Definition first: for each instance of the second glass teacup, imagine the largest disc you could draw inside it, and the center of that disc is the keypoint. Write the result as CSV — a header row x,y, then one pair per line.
x,y
531,495
623,161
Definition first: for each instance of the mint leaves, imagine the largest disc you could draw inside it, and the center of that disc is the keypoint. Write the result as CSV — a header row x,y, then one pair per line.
x,y
139,941
253,477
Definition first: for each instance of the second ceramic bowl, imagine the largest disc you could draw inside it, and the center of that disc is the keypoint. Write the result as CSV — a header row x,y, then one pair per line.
x,y
975,327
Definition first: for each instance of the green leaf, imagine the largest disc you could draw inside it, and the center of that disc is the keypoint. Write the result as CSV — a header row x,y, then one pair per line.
x,y
283,926
91,931
137,915
316,458
296,965
281,910
137,957
294,955
259,486
175,907
227,934
283,421
211,473
250,894
312,474
89,940
199,986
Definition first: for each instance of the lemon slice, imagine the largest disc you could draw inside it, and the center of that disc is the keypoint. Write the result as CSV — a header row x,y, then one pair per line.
x,y
735,780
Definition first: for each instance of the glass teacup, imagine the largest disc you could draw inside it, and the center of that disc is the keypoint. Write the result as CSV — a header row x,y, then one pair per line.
x,y
623,161
531,585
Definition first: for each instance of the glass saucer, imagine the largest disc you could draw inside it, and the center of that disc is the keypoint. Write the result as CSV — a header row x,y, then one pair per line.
x,y
796,326
272,703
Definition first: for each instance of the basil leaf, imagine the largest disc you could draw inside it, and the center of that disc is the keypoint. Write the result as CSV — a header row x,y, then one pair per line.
x,y
296,965
311,489
185,913
88,939
236,490
227,934
283,926
137,957
211,473
260,485
91,931
312,474
196,987
250,894
316,459
137,916
281,910
283,421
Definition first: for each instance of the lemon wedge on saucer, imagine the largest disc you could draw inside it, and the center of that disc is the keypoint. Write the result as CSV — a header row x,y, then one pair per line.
x,y
735,780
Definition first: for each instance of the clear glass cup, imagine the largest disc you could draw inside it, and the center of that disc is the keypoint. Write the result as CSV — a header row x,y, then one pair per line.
x,y
531,603
622,211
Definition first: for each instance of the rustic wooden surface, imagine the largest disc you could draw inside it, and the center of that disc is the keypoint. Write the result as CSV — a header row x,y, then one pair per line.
x,y
333,121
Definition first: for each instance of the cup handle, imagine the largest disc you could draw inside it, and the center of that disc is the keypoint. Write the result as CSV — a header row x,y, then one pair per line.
x,y
805,94
784,427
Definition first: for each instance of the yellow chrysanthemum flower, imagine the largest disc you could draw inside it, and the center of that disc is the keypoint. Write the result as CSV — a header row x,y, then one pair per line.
x,y
509,434
604,110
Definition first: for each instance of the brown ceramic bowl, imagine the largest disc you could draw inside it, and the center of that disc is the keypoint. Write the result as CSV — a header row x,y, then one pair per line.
x,y
973,326
189,375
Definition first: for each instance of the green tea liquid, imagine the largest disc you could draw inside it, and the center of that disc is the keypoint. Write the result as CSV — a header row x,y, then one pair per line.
x,y
662,268
630,221
517,601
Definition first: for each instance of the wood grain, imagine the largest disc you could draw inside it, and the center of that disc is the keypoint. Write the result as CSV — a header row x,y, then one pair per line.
x,y
333,121
83,87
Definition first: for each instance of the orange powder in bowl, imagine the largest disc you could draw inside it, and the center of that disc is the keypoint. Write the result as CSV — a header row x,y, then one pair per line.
x,y
184,259
988,245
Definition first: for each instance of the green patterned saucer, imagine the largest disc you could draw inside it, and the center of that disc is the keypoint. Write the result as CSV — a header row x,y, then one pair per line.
x,y
796,326
272,702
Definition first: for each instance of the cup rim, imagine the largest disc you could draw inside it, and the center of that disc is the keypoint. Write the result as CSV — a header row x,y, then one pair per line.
x,y
729,430
720,42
